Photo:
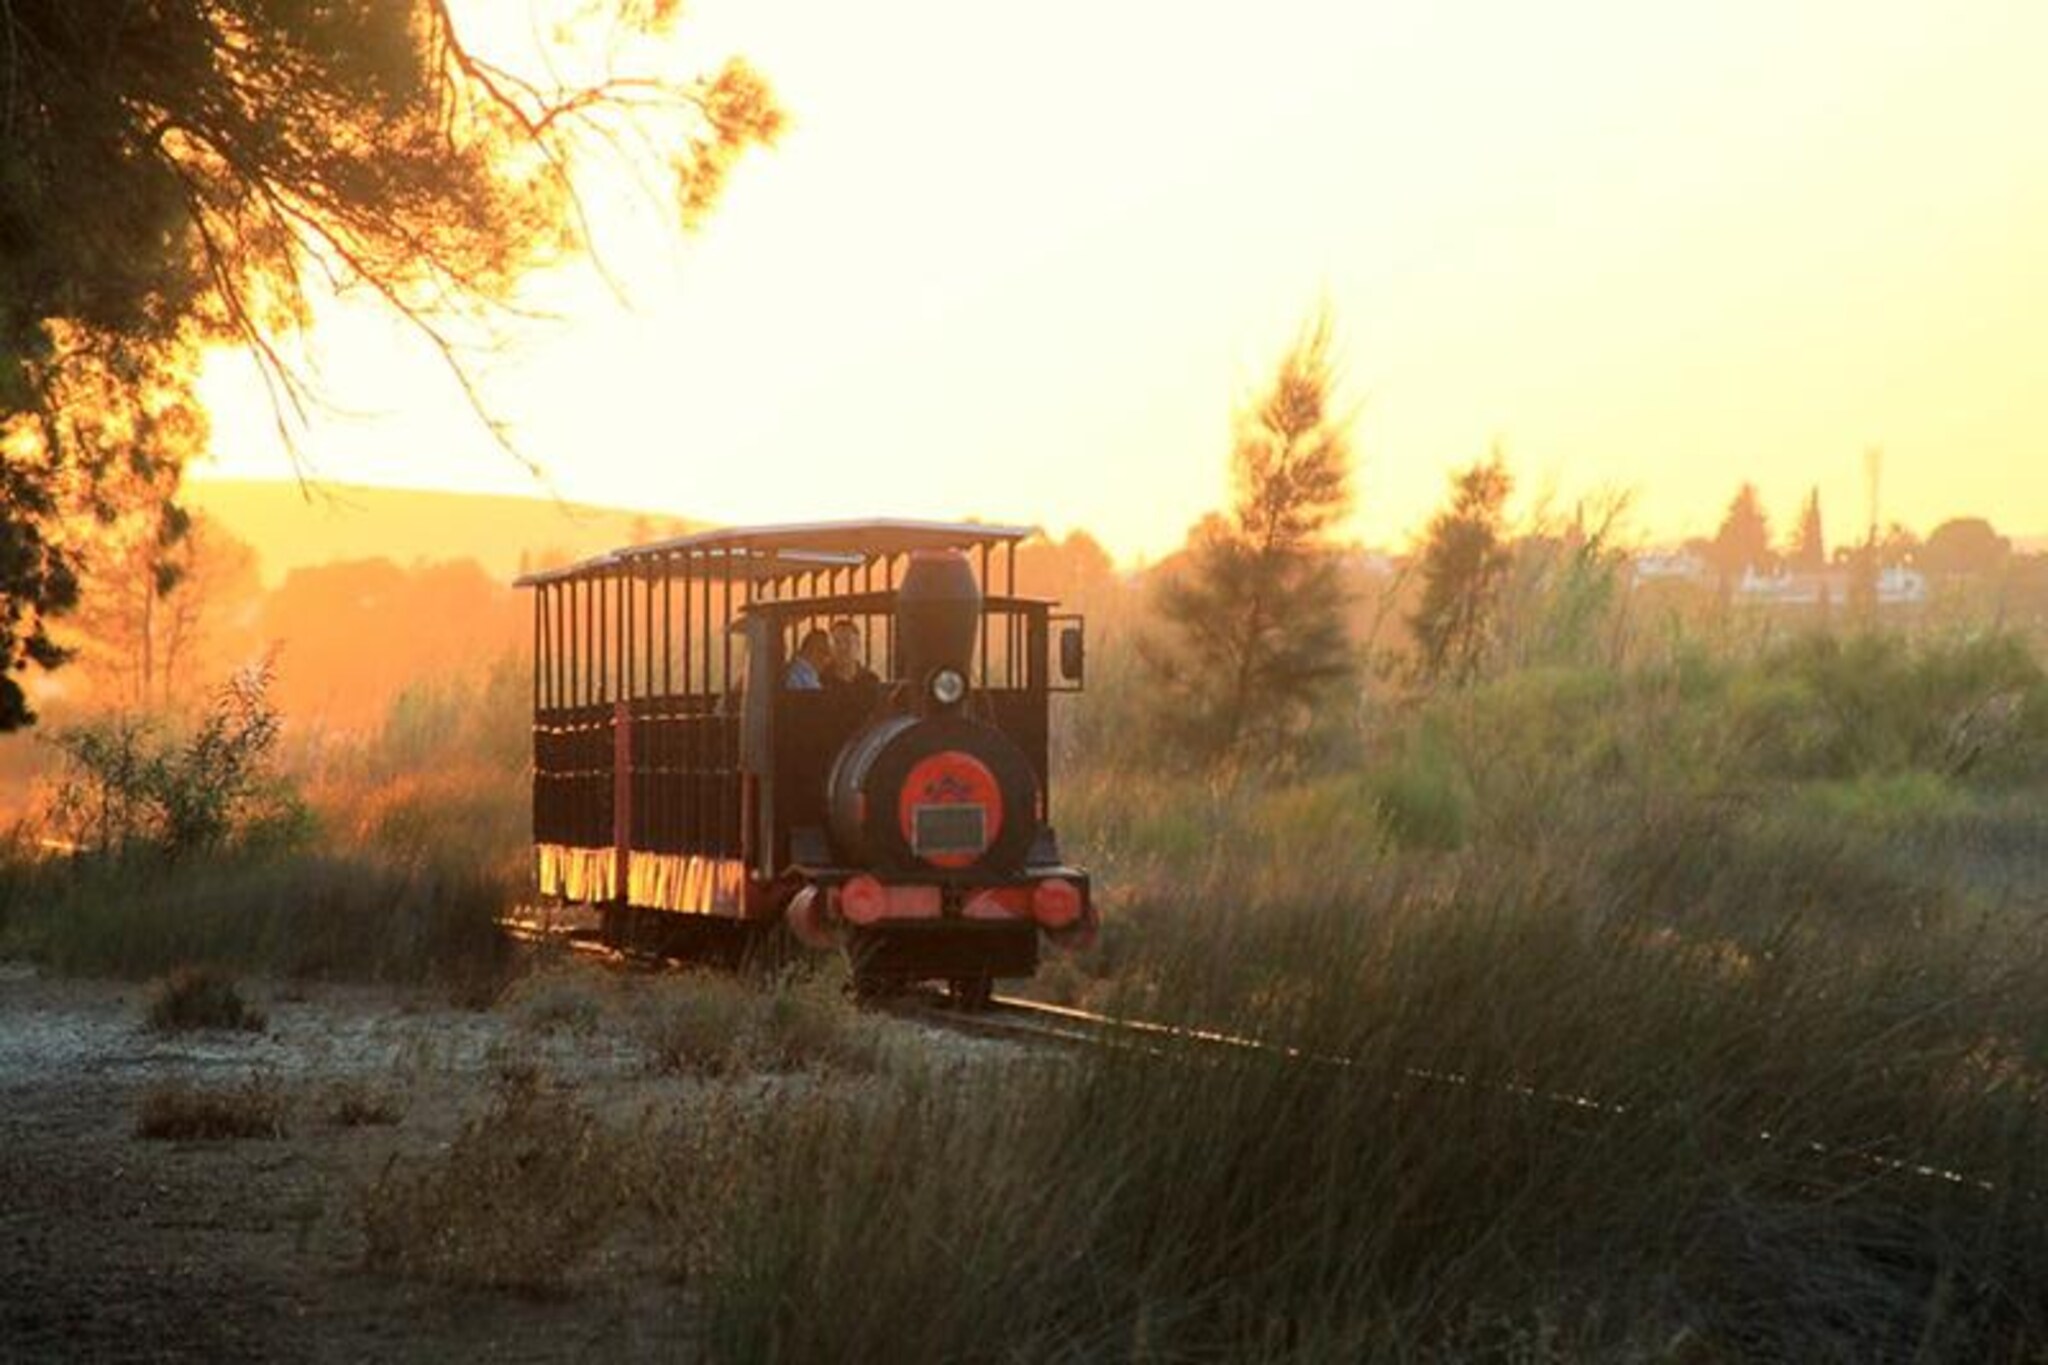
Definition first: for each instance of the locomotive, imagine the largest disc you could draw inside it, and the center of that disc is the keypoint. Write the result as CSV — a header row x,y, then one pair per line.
x,y
691,801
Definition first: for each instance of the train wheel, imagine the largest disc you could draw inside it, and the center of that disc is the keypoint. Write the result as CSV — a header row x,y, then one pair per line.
x,y
971,992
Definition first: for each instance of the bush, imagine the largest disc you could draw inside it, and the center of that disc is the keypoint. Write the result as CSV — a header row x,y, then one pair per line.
x,y
524,1195
198,998
127,788
706,1024
353,1104
177,1112
1424,799
1881,704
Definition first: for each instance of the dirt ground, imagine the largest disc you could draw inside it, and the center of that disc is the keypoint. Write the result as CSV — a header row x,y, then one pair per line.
x,y
114,1247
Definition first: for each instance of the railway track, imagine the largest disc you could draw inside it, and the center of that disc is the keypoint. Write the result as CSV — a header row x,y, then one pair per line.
x,y
1016,1019
1032,1020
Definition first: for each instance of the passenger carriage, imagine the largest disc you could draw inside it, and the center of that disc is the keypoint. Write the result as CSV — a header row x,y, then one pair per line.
x,y
695,803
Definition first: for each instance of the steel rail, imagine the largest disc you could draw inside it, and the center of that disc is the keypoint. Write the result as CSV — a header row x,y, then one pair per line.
x,y
1066,1023
1022,1020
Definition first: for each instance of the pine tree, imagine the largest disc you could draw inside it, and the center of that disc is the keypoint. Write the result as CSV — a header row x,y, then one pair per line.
x,y
1809,552
1465,560
1255,638
1744,541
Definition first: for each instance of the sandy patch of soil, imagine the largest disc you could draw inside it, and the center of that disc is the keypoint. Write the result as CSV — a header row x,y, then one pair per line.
x,y
117,1248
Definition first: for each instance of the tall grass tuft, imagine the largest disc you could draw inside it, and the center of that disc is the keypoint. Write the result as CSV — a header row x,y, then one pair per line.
x,y
1605,1137
299,914
706,1024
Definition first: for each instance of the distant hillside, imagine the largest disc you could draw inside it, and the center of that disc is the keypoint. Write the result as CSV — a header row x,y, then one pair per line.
x,y
291,529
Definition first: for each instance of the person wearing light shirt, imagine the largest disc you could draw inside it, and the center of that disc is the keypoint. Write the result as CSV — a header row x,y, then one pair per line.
x,y
806,672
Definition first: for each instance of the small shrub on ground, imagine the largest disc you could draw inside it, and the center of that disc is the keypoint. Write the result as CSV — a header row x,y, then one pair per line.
x,y
180,1112
697,1025
708,1024
354,1104
201,998
520,1201
564,998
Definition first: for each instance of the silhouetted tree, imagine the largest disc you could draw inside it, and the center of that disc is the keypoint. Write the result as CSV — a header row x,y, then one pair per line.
x,y
1898,547
351,634
1464,564
1254,613
1744,540
1809,551
159,590
1965,545
182,173
1073,570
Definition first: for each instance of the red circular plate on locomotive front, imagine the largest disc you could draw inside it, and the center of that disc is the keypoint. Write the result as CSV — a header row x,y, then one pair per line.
x,y
950,809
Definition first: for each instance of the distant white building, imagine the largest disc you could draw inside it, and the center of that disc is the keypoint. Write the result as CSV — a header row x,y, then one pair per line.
x,y
1896,586
1670,566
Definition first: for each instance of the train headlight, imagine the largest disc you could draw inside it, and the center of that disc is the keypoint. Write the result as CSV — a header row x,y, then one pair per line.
x,y
947,687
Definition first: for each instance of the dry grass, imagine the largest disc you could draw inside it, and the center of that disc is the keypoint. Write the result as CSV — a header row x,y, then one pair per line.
x,y
558,996
1710,972
289,914
180,1112
201,998
355,1104
714,1025
1694,893
523,1197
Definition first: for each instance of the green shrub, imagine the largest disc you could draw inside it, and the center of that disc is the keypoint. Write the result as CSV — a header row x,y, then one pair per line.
x,y
1889,802
1828,707
129,789
1424,800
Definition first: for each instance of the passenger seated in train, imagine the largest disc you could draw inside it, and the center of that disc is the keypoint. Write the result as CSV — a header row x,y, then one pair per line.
x,y
848,672
806,672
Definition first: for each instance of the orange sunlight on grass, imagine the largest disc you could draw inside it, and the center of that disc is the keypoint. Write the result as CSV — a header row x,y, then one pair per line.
x,y
1021,263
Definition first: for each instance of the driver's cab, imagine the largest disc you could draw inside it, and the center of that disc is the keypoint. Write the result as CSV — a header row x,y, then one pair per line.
x,y
792,736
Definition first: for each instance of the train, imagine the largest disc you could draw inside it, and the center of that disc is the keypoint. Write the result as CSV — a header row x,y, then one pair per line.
x,y
829,736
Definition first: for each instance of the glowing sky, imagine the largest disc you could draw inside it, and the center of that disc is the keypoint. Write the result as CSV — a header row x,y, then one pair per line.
x,y
1023,260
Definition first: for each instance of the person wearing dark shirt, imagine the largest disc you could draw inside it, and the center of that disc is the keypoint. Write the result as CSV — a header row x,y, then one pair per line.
x,y
847,670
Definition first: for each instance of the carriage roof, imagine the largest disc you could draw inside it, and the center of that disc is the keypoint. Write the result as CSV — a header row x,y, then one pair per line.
x,y
776,551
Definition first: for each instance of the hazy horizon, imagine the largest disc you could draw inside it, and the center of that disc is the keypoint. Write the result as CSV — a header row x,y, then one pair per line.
x,y
352,521
1650,249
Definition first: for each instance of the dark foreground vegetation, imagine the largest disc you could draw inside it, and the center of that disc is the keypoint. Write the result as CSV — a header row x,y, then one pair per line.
x,y
1689,1011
